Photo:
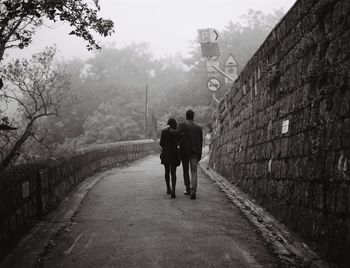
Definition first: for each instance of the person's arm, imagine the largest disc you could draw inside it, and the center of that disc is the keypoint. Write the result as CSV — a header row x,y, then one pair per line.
x,y
201,143
162,139
172,131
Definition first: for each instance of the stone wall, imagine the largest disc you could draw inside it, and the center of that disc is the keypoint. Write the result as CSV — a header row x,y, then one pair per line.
x,y
282,132
28,192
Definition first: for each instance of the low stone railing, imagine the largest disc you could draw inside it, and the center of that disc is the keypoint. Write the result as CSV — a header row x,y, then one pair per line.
x,y
29,191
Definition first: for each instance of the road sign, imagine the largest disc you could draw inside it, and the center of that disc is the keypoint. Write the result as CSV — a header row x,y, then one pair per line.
x,y
213,84
231,69
210,49
208,35
211,63
230,61
232,72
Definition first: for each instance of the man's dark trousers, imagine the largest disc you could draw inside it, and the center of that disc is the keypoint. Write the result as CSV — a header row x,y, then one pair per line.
x,y
186,173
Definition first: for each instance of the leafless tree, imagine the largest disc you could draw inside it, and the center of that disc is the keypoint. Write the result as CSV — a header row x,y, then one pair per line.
x,y
39,89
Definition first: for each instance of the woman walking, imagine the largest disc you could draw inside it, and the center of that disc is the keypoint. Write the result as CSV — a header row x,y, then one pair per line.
x,y
170,156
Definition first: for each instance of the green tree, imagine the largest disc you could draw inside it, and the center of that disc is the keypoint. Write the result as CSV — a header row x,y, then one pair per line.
x,y
112,77
19,20
203,115
114,121
243,38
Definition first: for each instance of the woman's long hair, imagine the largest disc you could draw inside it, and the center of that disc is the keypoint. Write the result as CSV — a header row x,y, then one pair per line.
x,y
172,123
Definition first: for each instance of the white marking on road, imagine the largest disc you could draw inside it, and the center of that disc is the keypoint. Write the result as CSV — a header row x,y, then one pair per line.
x,y
68,251
89,241
248,258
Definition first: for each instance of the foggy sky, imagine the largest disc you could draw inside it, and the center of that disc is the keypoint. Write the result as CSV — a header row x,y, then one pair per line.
x,y
167,25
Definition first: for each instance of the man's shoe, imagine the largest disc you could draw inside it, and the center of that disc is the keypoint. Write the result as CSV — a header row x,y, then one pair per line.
x,y
168,192
186,192
173,194
193,194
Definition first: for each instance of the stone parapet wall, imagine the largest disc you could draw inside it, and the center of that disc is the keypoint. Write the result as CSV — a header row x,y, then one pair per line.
x,y
282,132
28,192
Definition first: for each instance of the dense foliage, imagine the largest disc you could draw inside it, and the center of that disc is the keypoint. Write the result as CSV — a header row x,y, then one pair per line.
x,y
20,18
110,88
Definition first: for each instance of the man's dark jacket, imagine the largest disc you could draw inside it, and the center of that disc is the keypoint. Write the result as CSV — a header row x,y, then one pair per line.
x,y
191,139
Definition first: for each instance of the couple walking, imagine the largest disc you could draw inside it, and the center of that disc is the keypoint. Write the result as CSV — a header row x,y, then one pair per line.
x,y
181,144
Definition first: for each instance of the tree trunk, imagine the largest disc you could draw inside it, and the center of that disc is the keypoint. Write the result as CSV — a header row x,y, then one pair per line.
x,y
14,150
2,51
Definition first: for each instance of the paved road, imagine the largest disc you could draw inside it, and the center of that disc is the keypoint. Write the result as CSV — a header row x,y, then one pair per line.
x,y
127,220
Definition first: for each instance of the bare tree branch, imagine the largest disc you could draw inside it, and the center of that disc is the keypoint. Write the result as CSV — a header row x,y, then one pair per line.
x,y
39,88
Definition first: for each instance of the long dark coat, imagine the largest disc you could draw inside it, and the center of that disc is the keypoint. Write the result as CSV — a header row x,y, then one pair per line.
x,y
169,144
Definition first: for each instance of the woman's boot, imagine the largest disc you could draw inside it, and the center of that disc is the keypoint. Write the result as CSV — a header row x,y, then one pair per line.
x,y
168,189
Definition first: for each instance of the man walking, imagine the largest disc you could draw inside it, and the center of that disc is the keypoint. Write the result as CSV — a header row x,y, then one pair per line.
x,y
191,142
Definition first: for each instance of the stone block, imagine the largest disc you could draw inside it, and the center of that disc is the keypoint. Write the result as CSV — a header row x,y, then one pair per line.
x,y
342,199
306,119
284,147
345,133
329,167
318,202
345,105
335,136
307,143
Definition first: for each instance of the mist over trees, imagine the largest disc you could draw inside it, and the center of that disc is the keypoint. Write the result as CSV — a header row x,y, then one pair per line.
x,y
40,89
109,88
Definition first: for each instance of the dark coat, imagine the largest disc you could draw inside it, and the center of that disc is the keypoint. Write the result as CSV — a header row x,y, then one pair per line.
x,y
169,144
191,140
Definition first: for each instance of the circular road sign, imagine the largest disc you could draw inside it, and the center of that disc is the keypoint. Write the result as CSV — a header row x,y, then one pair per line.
x,y
213,84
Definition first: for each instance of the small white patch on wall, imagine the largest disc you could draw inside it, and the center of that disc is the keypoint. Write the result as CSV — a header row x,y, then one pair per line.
x,y
285,126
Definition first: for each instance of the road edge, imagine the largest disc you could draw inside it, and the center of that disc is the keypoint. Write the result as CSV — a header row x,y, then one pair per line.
x,y
44,233
290,248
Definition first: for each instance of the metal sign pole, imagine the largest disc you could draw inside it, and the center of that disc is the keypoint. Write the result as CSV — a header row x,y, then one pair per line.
x,y
223,73
146,112
215,99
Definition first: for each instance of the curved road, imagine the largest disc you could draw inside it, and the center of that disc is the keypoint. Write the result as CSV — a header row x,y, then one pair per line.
x,y
127,220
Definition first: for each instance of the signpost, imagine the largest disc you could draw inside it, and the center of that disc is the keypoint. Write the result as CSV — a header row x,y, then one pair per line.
x,y
146,113
213,84
208,35
210,49
231,69
213,61
208,39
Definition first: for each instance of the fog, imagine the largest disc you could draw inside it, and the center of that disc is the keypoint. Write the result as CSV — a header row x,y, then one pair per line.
x,y
167,25
101,96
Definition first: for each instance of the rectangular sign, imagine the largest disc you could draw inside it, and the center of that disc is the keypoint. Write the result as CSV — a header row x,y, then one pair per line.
x,y
208,35
232,73
210,49
285,126
211,63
